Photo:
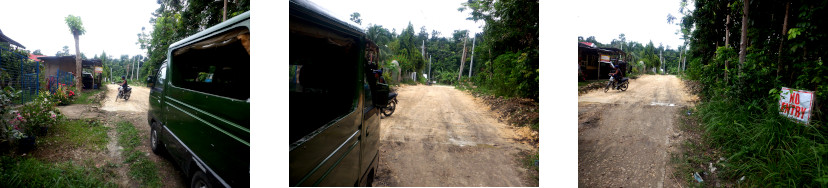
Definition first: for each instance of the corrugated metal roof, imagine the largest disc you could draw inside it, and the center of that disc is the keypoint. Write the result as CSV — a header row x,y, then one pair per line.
x,y
4,38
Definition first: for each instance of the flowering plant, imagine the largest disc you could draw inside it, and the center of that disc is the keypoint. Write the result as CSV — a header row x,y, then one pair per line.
x,y
41,112
7,129
64,94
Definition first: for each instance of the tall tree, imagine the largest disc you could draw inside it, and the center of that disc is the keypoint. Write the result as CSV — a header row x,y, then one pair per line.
x,y
355,18
76,27
37,52
743,43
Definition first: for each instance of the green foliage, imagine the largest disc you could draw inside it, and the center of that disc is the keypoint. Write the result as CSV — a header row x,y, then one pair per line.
x,y
763,146
75,25
513,77
141,168
176,20
29,172
778,152
355,18
7,97
508,46
64,95
40,112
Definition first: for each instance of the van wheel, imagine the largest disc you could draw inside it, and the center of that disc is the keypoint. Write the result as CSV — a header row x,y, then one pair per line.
x,y
200,181
154,142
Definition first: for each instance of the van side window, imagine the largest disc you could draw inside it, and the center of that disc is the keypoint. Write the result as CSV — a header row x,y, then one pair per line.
x,y
218,65
161,76
323,79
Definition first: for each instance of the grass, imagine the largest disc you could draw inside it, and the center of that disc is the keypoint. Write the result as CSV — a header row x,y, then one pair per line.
x,y
85,96
141,168
530,161
696,152
762,146
30,172
87,134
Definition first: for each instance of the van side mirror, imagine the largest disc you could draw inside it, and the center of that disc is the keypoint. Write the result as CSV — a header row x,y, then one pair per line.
x,y
150,80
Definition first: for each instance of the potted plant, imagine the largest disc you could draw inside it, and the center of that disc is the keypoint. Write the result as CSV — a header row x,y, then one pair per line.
x,y
40,114
7,95
21,132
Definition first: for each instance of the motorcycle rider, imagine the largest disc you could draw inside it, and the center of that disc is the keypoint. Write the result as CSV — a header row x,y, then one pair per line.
x,y
123,84
620,71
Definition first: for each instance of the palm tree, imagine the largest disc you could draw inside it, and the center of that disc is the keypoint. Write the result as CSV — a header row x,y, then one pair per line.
x,y
76,27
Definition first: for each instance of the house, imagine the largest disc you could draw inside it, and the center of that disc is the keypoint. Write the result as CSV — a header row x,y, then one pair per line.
x,y
35,57
6,39
596,63
61,70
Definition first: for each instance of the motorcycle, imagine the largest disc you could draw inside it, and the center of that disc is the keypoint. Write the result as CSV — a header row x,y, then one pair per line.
x,y
124,93
387,110
622,85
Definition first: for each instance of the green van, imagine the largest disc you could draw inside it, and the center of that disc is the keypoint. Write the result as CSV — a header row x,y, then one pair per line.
x,y
334,121
199,102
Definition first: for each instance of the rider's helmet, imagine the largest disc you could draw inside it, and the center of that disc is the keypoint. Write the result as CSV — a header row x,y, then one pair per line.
x,y
122,77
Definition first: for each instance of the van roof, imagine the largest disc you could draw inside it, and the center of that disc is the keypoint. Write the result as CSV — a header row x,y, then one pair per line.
x,y
231,21
320,14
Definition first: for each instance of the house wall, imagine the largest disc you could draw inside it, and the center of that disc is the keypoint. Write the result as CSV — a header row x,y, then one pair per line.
x,y
52,67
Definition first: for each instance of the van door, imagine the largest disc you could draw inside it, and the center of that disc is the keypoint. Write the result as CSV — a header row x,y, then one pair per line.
x,y
157,94
325,110
209,103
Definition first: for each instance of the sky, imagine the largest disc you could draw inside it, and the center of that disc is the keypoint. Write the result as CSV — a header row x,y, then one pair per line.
x,y
440,15
639,20
111,26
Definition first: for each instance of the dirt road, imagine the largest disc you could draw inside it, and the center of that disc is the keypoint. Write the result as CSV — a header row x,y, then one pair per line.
x,y
625,138
440,136
138,100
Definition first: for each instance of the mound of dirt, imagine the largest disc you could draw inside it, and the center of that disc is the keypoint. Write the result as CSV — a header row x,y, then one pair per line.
x,y
517,112
591,86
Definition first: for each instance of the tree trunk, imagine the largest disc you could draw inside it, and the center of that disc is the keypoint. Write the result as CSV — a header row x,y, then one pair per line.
x,y
78,73
784,36
727,31
743,44
462,61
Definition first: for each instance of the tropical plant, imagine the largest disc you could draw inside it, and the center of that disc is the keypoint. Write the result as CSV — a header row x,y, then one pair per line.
x,y
76,28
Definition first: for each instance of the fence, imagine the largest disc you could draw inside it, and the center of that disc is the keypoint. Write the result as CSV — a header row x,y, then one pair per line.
x,y
60,78
18,72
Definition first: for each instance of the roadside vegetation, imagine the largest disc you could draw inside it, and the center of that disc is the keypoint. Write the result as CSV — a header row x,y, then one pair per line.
x,y
739,111
31,172
141,168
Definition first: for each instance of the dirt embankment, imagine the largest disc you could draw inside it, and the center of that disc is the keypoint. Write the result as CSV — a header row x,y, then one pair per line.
x,y
625,137
440,136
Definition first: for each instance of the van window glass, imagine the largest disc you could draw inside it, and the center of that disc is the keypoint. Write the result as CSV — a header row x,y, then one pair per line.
x,y
219,65
162,74
323,79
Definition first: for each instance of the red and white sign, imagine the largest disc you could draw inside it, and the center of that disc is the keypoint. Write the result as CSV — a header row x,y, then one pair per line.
x,y
796,104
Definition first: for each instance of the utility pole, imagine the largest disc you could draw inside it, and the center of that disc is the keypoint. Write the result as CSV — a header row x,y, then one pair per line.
x,y
224,12
423,49
429,68
471,66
